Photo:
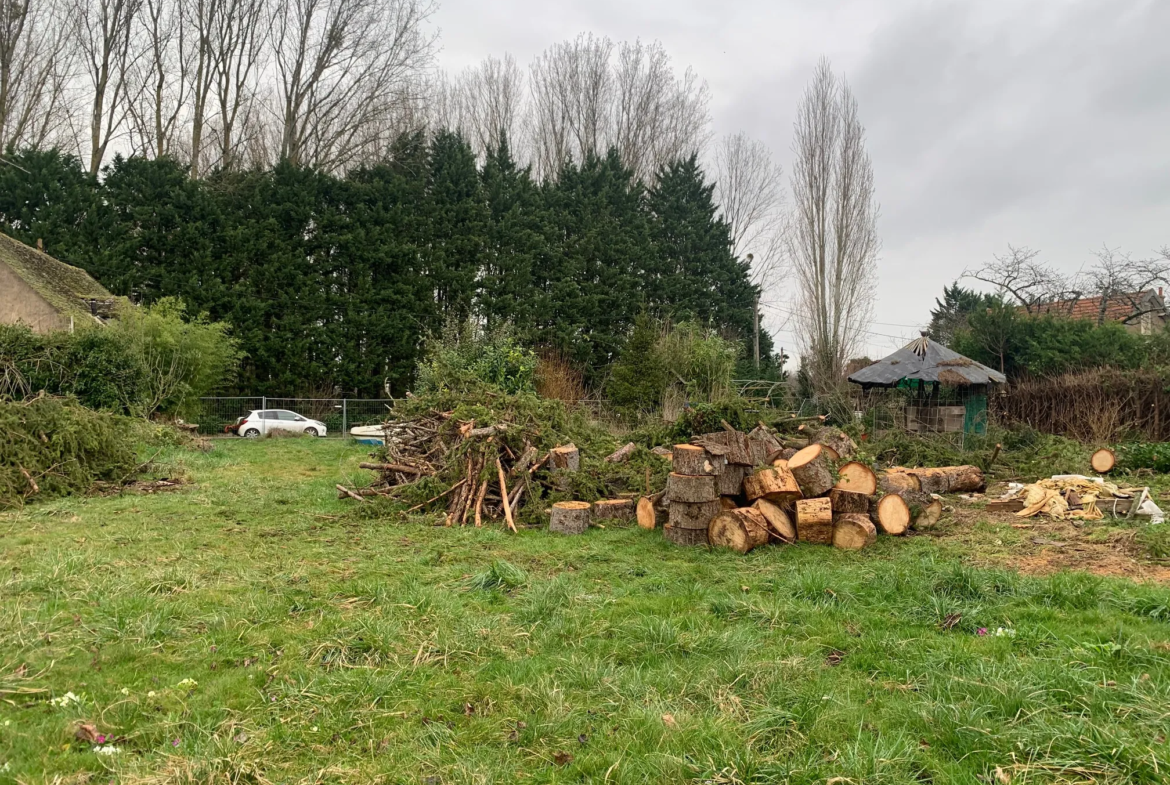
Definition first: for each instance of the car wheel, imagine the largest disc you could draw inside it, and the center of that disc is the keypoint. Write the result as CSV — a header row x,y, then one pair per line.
x,y
312,432
251,433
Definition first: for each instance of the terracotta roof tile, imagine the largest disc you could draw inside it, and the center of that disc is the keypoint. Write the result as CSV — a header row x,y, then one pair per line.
x,y
1089,307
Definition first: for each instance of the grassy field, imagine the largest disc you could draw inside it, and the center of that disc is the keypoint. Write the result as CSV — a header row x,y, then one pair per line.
x,y
251,628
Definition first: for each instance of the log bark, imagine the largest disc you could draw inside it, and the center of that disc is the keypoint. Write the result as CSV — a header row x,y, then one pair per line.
x,y
730,480
893,514
928,515
784,455
614,510
728,503
814,521
849,501
685,536
691,488
899,483
811,469
780,523
570,517
857,477
947,479
732,445
853,531
694,460
837,440
684,515
566,457
761,445
776,484
740,530
1103,461
662,452
650,513
622,454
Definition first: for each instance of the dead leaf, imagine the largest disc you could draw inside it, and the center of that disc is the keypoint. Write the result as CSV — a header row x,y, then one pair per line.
x,y
562,758
1002,777
950,621
88,732
834,658
668,719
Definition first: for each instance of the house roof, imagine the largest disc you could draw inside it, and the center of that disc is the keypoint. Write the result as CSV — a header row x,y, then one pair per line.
x,y
929,361
61,285
1117,309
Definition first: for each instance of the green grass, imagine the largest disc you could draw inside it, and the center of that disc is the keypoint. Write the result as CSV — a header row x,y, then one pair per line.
x,y
329,647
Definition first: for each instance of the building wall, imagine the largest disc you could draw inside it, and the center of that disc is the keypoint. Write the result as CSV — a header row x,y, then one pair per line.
x,y
19,303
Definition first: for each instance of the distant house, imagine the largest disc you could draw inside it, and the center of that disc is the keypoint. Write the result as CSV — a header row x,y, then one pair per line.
x,y
45,294
1140,312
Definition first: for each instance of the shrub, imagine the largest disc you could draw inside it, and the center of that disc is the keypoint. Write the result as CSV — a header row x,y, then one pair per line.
x,y
1144,455
464,357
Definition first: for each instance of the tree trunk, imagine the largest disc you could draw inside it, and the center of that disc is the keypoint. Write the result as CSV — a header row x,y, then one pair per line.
x,y
779,521
947,479
1103,461
857,477
570,517
761,445
899,483
849,502
566,457
651,514
776,484
613,510
694,460
811,469
893,514
730,480
691,488
685,536
853,531
684,515
741,530
814,521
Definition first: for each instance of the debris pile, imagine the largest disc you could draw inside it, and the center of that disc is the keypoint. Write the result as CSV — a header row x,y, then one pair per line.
x,y
1076,497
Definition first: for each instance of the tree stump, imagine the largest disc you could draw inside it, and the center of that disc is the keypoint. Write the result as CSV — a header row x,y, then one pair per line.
x,y
741,530
1103,461
650,513
691,488
730,479
694,460
684,515
566,457
570,517
814,521
779,522
853,531
776,484
613,510
893,514
857,477
685,536
811,469
849,502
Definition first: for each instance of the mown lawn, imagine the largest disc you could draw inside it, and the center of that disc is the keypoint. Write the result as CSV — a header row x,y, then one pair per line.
x,y
326,647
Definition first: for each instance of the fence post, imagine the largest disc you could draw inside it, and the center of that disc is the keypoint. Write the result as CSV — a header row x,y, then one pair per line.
x,y
344,417
264,402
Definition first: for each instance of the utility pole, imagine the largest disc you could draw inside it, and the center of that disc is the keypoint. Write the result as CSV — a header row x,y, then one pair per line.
x,y
756,340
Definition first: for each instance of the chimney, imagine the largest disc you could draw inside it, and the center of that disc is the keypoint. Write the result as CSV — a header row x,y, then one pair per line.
x,y
40,245
1159,291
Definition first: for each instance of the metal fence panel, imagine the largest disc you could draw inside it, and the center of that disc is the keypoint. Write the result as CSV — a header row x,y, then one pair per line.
x,y
338,414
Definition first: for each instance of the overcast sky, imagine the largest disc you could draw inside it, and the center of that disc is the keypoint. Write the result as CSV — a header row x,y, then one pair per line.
x,y
1034,123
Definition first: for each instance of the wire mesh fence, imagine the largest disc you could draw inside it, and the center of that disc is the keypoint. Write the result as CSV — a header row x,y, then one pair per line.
x,y
338,414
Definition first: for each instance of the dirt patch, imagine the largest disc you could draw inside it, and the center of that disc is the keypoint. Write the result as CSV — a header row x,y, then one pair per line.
x,y
1042,546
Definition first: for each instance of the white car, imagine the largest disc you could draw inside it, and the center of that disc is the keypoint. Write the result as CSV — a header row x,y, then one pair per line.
x,y
262,421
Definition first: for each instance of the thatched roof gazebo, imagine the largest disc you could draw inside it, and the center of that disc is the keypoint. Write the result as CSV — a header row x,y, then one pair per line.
x,y
950,376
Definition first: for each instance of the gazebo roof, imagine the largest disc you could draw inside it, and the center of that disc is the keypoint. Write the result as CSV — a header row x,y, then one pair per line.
x,y
929,361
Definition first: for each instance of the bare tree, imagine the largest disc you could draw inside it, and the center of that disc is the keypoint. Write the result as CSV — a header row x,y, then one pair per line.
x,y
750,188
158,96
236,57
1033,285
1119,278
572,87
833,242
104,33
34,72
345,67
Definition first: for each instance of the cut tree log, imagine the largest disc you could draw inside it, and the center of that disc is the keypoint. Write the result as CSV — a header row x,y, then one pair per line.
x,y
728,503
811,469
857,477
761,444
947,479
893,514
740,530
837,440
1103,461
899,483
814,521
693,516
685,536
566,457
776,484
570,517
732,445
784,455
730,480
650,513
694,460
691,488
830,453
391,467
613,509
662,452
849,502
779,521
622,454
929,516
853,531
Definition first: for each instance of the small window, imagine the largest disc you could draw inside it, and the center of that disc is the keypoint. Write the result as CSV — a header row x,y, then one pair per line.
x,y
286,415
267,415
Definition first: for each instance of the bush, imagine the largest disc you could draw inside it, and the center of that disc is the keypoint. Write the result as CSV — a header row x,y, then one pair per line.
x,y
56,446
464,358
1144,455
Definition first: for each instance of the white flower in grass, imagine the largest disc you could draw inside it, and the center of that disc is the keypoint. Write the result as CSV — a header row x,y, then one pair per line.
x,y
68,699
150,694
1005,631
125,691
188,684
107,749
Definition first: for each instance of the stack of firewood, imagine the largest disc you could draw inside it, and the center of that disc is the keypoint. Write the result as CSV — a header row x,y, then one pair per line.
x,y
751,489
